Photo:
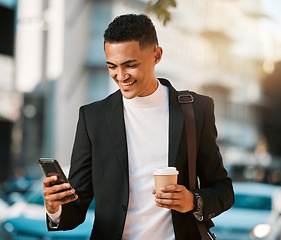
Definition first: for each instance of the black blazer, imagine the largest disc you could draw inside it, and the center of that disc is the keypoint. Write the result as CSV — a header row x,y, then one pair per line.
x,y
99,166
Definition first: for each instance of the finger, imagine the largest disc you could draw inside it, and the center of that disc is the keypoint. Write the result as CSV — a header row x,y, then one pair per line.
x,y
167,202
173,188
153,191
66,200
57,196
167,195
69,199
169,205
55,189
47,182
172,204
164,206
65,194
59,188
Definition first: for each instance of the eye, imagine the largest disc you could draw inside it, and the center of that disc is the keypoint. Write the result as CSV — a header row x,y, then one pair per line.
x,y
132,66
112,67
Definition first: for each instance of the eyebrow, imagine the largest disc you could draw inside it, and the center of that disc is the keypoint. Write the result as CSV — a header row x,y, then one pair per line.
x,y
124,63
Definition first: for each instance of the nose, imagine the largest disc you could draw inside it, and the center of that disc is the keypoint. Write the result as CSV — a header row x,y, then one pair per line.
x,y
122,75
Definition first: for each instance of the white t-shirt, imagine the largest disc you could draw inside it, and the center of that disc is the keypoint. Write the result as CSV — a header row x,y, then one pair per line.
x,y
147,131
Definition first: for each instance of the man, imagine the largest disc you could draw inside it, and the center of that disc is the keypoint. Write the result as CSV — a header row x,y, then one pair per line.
x,y
123,138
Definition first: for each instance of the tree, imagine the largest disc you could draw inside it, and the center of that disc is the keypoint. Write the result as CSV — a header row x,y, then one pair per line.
x,y
160,8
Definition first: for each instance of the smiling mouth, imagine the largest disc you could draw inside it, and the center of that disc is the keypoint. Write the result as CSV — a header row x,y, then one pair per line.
x,y
127,84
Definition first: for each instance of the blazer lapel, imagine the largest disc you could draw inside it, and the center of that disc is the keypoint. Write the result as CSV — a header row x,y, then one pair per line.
x,y
176,122
116,126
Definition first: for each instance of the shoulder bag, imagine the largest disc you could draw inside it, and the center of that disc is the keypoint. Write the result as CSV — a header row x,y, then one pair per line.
x,y
186,100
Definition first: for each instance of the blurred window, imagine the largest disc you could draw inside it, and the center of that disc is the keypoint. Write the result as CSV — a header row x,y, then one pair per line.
x,y
252,202
7,29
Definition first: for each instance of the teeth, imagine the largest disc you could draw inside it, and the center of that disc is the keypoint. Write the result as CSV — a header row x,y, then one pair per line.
x,y
127,84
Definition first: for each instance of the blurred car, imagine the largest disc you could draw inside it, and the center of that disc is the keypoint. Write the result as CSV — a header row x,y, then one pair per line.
x,y
3,209
12,188
254,215
26,220
255,173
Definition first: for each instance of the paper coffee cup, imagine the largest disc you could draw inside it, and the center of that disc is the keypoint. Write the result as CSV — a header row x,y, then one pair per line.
x,y
164,177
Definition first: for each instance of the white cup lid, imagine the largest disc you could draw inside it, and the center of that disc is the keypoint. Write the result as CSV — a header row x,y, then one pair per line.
x,y
166,171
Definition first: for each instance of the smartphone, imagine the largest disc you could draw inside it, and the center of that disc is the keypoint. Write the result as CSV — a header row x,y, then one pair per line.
x,y
51,167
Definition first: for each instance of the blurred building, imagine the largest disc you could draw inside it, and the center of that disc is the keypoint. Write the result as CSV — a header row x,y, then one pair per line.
x,y
51,74
213,47
218,48
9,97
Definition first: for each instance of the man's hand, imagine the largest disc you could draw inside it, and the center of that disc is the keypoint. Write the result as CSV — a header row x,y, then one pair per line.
x,y
52,195
175,197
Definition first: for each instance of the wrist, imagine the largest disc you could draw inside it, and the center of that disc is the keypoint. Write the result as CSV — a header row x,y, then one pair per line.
x,y
55,217
54,212
197,202
198,206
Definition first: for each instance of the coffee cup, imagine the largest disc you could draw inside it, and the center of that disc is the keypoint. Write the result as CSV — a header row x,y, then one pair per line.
x,y
164,177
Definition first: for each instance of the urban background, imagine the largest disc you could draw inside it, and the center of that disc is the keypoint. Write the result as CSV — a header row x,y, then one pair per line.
x,y
52,62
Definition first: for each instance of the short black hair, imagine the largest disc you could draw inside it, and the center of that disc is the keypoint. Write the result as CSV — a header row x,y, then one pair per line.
x,y
131,27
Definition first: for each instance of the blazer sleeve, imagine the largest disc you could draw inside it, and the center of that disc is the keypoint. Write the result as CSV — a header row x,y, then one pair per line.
x,y
215,186
74,213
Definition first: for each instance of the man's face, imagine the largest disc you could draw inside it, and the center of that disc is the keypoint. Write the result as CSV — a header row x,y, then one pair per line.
x,y
132,68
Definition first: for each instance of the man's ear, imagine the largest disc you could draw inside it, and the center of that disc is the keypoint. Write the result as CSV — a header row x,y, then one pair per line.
x,y
158,54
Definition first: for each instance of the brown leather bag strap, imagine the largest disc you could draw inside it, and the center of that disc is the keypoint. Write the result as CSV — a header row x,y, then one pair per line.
x,y
186,100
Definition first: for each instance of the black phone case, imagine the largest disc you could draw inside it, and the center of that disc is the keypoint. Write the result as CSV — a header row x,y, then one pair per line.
x,y
51,167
